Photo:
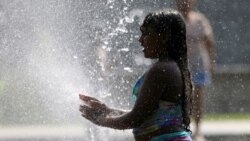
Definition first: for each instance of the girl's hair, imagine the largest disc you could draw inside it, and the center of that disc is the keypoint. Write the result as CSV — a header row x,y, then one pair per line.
x,y
171,23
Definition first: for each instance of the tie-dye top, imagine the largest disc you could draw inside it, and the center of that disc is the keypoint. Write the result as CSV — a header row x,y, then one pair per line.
x,y
168,114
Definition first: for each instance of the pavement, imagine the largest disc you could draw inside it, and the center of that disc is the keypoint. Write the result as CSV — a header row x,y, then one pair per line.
x,y
218,128
209,128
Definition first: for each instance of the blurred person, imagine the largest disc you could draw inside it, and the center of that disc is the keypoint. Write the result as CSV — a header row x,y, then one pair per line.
x,y
162,95
201,56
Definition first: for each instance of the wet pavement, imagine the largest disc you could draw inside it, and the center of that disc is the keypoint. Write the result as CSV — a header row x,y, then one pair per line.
x,y
213,130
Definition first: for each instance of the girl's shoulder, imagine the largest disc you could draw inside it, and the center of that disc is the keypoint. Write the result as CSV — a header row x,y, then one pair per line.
x,y
164,69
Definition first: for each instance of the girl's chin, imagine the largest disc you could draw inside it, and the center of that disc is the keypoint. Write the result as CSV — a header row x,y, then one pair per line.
x,y
149,56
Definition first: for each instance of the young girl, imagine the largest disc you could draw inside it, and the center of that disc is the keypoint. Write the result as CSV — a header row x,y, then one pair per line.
x,y
163,94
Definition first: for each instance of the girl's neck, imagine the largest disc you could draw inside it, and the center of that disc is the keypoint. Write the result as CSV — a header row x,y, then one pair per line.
x,y
164,58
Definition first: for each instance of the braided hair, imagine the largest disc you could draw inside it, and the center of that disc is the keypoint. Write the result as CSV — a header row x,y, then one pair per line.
x,y
170,22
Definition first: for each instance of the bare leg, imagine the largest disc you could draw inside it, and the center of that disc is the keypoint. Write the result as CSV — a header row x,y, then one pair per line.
x,y
198,111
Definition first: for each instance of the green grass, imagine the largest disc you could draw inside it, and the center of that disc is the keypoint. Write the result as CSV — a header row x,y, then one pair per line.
x,y
228,116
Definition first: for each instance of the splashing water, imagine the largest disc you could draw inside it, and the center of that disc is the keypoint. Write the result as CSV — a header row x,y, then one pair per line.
x,y
52,50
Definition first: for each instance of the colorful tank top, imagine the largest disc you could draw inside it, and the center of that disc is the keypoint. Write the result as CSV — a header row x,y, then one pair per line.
x,y
168,114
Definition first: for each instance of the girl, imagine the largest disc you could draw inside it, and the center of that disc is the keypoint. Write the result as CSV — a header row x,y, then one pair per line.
x,y
163,94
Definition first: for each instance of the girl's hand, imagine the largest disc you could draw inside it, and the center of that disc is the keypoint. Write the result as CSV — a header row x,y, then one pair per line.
x,y
93,109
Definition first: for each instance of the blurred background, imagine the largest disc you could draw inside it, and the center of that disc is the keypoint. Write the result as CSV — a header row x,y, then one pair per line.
x,y
52,50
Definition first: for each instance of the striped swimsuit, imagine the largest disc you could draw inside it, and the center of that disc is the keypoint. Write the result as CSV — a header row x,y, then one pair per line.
x,y
168,114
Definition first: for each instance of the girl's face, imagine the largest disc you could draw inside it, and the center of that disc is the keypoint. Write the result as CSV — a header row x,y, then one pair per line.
x,y
151,42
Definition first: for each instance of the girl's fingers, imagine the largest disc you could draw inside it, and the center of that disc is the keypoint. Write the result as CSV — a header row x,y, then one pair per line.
x,y
88,113
87,98
84,109
83,97
95,104
87,117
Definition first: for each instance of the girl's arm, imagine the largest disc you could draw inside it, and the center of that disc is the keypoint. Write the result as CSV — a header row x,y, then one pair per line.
x,y
155,82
